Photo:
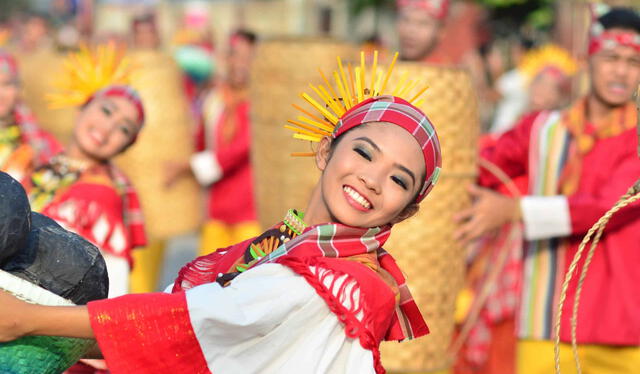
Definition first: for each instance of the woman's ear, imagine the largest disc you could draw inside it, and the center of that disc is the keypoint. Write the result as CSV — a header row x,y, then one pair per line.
x,y
324,153
408,212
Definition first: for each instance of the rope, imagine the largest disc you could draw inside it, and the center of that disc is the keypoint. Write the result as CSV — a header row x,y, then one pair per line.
x,y
496,270
632,195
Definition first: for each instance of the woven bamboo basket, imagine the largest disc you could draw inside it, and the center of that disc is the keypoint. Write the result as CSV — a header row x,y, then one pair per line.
x,y
38,354
283,68
38,73
424,245
166,136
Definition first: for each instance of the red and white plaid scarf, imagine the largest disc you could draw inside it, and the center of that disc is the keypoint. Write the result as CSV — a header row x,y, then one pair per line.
x,y
330,240
131,208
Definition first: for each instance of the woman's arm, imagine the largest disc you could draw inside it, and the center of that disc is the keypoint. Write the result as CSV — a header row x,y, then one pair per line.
x,y
18,318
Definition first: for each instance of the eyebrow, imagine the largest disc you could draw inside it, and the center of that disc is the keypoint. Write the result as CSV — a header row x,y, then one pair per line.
x,y
115,106
399,166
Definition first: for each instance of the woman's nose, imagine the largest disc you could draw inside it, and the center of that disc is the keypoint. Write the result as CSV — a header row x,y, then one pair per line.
x,y
371,182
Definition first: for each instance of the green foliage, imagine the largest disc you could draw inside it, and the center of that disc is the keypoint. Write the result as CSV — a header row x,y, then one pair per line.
x,y
501,3
9,7
356,7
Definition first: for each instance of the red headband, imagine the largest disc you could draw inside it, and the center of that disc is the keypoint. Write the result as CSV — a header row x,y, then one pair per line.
x,y
610,39
8,65
126,92
437,8
395,110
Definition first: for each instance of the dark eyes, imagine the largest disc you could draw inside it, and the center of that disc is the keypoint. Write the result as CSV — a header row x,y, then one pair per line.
x,y
106,110
363,153
125,130
397,180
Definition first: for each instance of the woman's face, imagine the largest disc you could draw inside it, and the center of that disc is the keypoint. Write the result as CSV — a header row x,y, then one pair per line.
x,y
373,174
545,92
8,94
105,127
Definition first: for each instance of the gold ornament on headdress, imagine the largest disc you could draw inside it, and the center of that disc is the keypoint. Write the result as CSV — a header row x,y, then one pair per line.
x,y
352,86
88,71
548,56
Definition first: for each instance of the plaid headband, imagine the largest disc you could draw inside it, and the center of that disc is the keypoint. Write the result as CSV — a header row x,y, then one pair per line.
x,y
395,110
600,38
611,39
8,65
437,8
126,92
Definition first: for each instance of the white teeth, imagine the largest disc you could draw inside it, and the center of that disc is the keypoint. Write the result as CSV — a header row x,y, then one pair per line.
x,y
357,197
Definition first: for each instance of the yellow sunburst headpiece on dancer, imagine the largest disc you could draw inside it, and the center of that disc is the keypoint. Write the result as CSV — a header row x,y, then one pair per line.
x,y
351,87
359,97
548,57
88,71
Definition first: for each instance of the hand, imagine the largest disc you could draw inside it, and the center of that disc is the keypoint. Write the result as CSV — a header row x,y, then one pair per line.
x,y
174,170
13,316
490,210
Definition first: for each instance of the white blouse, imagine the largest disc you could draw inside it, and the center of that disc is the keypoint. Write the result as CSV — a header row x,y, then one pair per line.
x,y
269,320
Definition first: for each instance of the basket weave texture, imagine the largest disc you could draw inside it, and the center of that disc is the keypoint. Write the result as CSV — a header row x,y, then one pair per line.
x,y
283,68
424,245
38,74
166,136
38,354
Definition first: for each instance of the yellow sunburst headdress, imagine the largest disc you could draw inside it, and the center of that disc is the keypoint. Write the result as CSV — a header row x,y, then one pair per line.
x,y
351,87
103,70
358,98
88,71
549,56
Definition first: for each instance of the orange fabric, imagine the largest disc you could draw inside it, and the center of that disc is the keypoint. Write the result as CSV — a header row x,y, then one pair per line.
x,y
502,352
586,134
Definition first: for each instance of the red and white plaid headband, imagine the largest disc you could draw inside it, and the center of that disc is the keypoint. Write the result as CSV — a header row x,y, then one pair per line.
x,y
400,112
600,38
437,8
123,91
8,65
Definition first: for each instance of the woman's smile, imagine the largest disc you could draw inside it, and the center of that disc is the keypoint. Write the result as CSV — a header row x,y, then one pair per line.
x,y
356,199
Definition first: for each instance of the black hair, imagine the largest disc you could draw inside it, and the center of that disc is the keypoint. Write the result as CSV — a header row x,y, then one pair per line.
x,y
32,14
621,18
247,35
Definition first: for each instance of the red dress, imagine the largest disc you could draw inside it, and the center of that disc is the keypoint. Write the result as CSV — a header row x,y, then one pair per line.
x,y
225,136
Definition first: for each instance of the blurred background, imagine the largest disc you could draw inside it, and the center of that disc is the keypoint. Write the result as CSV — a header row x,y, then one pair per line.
x,y
230,69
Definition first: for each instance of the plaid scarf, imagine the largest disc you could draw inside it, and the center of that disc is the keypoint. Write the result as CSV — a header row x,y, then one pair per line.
x,y
131,210
52,180
44,145
331,240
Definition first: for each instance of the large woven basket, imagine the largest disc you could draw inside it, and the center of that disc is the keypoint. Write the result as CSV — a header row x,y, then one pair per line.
x,y
166,136
38,354
38,74
283,69
423,245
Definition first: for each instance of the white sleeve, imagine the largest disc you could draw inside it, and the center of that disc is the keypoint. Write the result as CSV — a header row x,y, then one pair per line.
x,y
270,320
545,217
206,168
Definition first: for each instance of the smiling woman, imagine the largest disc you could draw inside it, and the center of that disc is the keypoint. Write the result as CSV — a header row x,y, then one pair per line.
x,y
79,187
315,293
85,193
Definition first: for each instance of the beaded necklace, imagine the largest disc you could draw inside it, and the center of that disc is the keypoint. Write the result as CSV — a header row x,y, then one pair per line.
x,y
291,226
9,141
50,179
